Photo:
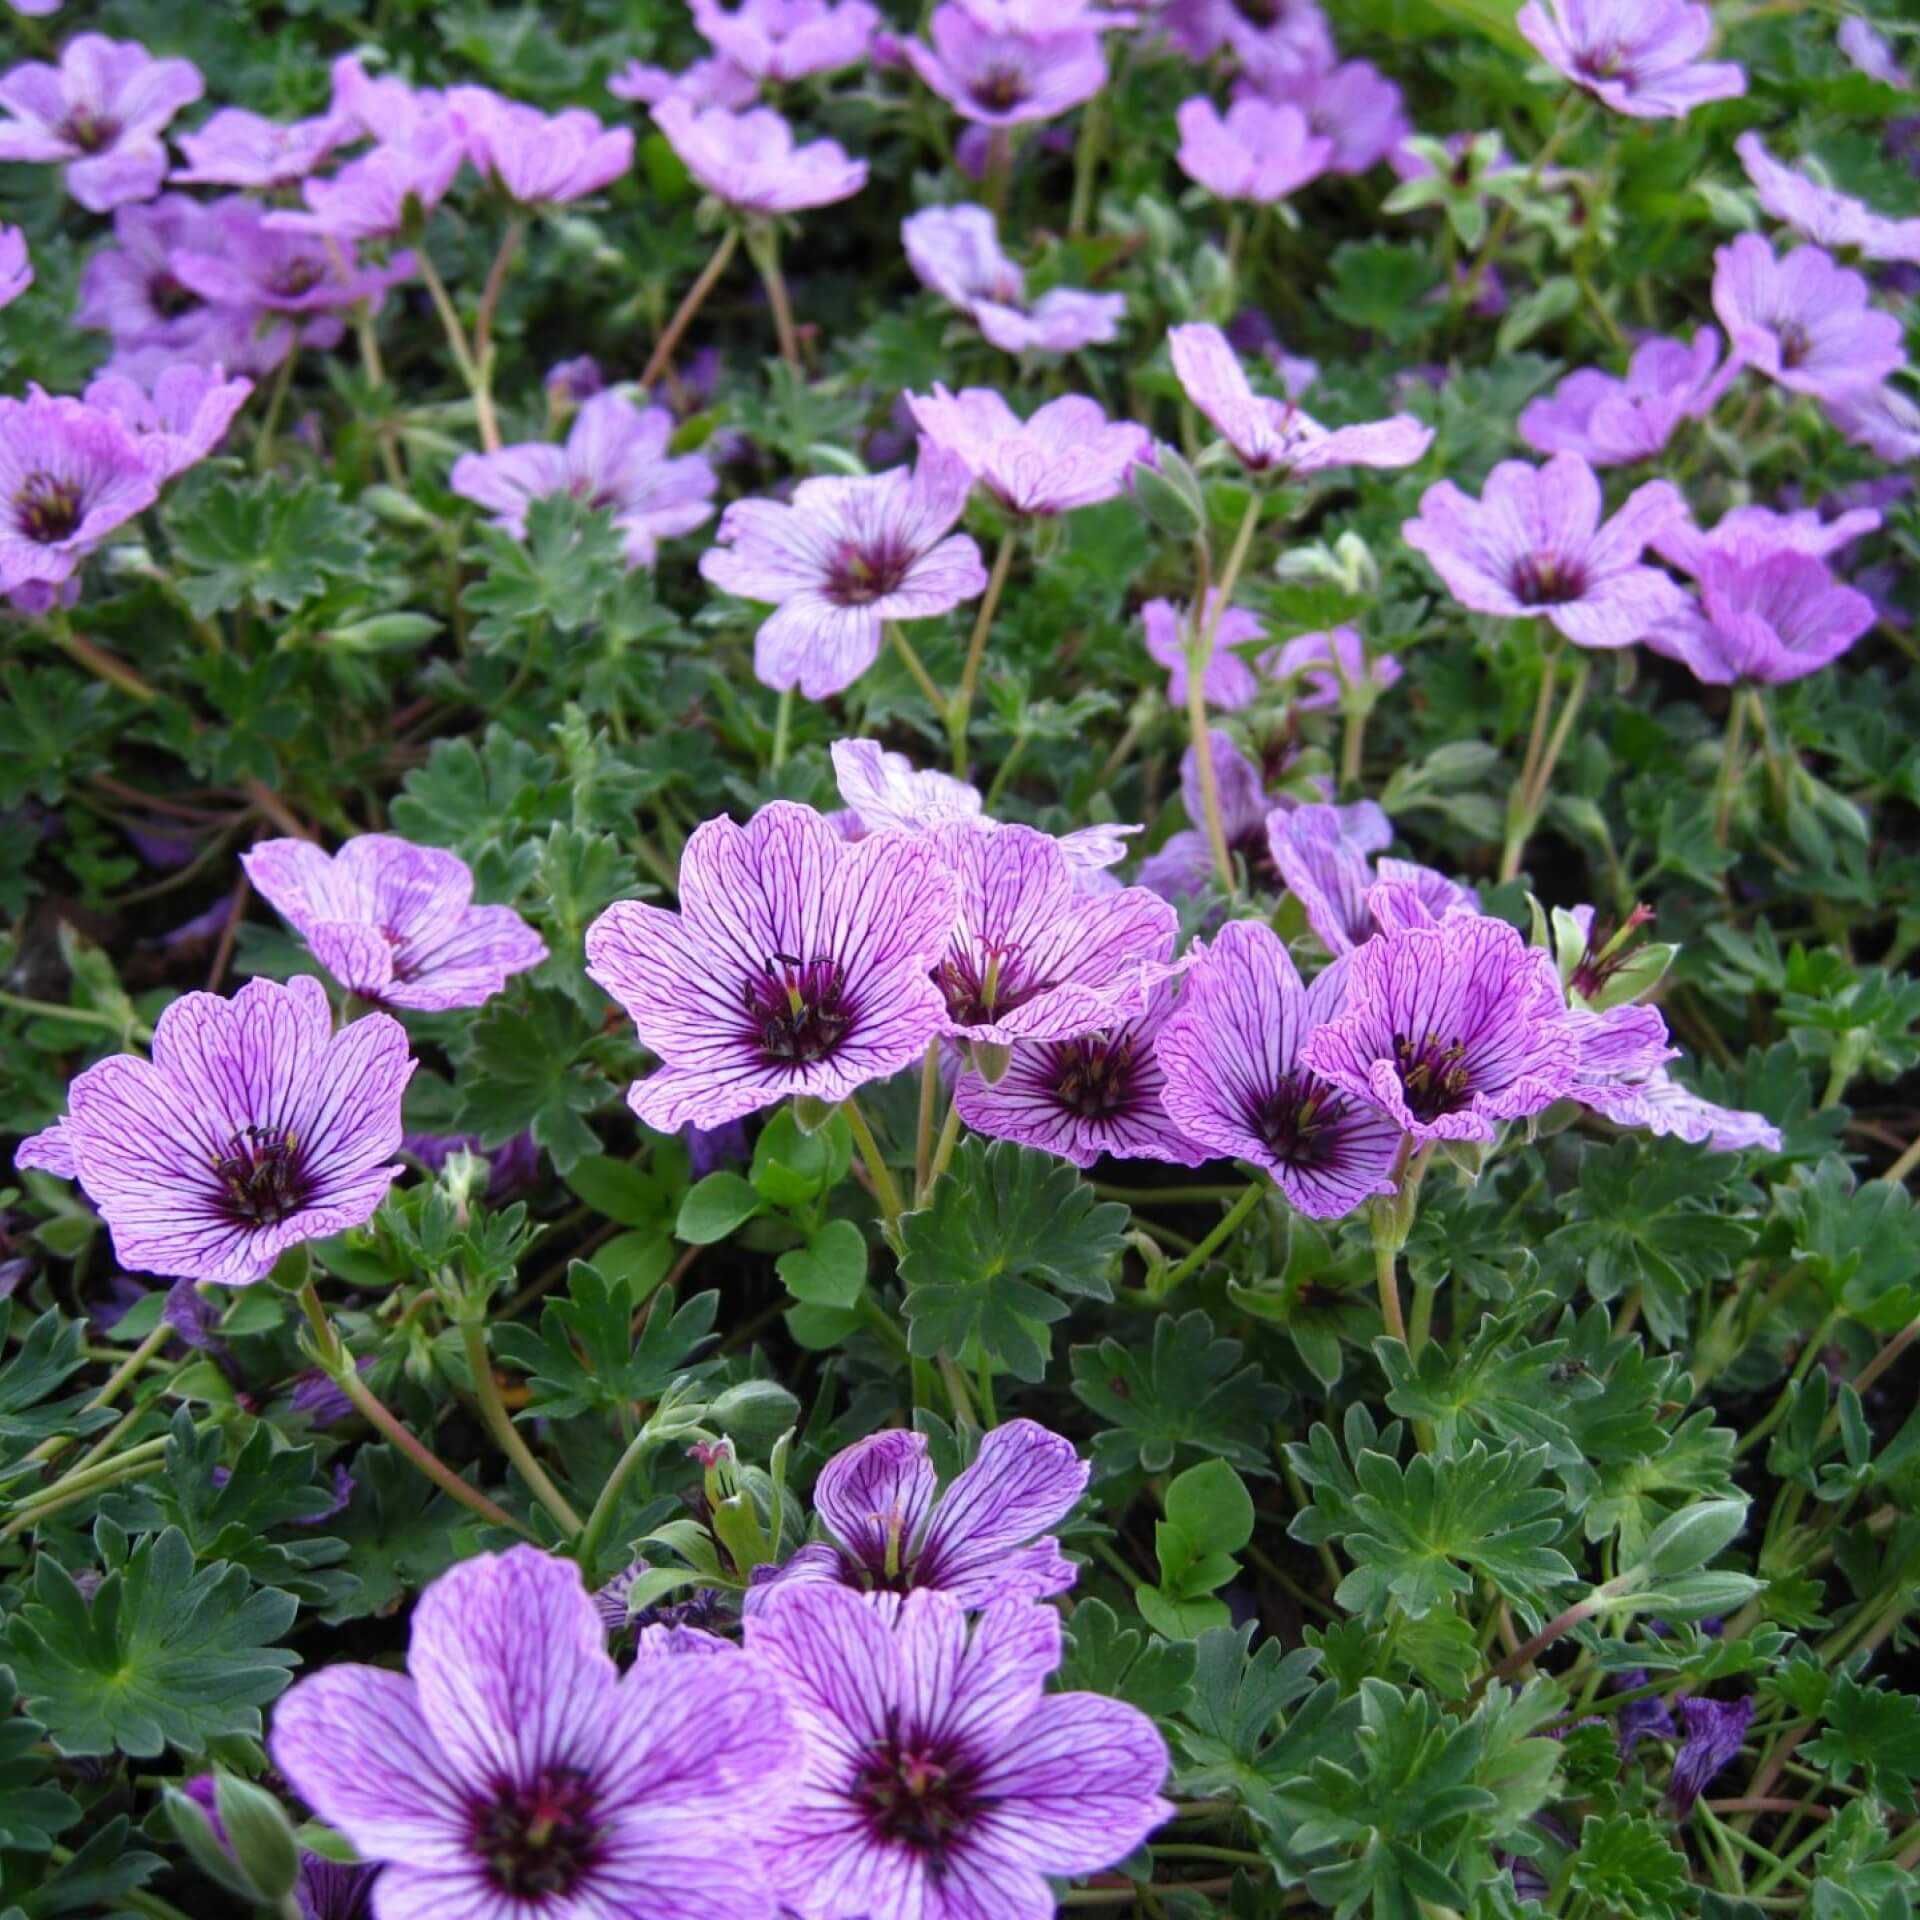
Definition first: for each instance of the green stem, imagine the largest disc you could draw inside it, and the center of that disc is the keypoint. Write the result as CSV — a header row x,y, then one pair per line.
x,y
1778,1411
1224,1230
1730,758
923,1128
462,352
1386,1268
915,666
942,1153
276,403
96,659
883,1323
507,1436
764,245
782,724
116,1383
76,1016
662,355
955,1382
885,1189
483,355
586,1546
960,707
1086,164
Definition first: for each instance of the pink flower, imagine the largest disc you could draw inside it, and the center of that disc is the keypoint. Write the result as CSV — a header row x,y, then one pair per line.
x,y
1228,682
16,268
707,83
885,790
1636,56
1869,52
1764,614
1259,151
1611,422
1827,218
181,422
1321,662
69,475
783,40
1686,546
1004,78
1328,872
240,149
383,191
1533,547
749,159
615,457
539,159
243,262
384,108
1353,105
102,111
955,252
1879,418
1272,437
1803,321
1068,455
1258,33
843,558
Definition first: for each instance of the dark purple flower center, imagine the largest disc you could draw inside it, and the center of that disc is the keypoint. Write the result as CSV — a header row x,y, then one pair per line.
x,y
168,298
1796,343
920,1795
261,1176
1094,1076
799,1010
406,965
1546,580
979,994
47,509
1298,1120
1602,62
89,131
858,576
1001,88
1260,13
1434,1075
291,278
540,1837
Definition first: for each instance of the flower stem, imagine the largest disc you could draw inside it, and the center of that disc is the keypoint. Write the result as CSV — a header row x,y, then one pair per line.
x,y
276,404
97,660
782,724
500,1424
1528,799
917,667
1731,755
1227,1226
1086,164
960,707
885,1189
77,1016
462,351
490,303
586,1546
1353,740
923,1130
955,1382
949,1139
1202,630
764,245
662,354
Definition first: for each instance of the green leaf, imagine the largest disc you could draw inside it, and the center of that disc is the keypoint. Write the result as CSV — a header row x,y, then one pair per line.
x,y
793,1168
50,1354
1209,1519
1101,1656
714,1207
830,1270
616,1189
1627,1865
161,1655
1875,1731
1001,1219
524,1072
1382,288
32,1809
1860,1242
1184,1395
400,1534
266,543
571,560
94,1882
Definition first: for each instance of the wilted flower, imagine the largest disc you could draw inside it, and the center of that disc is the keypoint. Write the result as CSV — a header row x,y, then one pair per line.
x,y
514,1769
707,83
956,253
1715,1731
749,159
1449,1029
184,418
1326,664
385,191
253,1127
1237,1082
1350,104
1611,422
1331,877
539,159
840,560
1827,218
101,111
1259,151
784,40
16,268
1227,681
1638,57
1765,613
1622,1075
889,1530
615,458
1272,436
394,922
1002,77
945,1781
1802,321
1533,546
1069,454
240,149
69,475
798,964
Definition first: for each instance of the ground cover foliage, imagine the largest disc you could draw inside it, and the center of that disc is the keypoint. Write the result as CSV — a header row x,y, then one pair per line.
x,y
1169,1168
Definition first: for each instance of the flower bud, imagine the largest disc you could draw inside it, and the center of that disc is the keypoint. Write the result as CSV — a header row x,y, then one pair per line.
x,y
1167,492
991,1060
259,1836
810,1114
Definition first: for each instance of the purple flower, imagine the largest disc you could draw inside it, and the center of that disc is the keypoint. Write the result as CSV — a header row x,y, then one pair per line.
x,y
101,111
1622,1075
1638,1720
615,457
16,268
320,1399
1236,1079
890,1531
245,262
707,83
1533,547
1760,529
384,108
997,76
1069,454
381,193
1031,957
240,149
749,159
513,1770
130,289
1638,57
1611,422
1227,681
1101,1092
254,1127
569,382
176,426
843,558
939,1779
797,964
394,922
885,790
69,475
1827,218
1715,1733
1327,664
1879,418
1275,436
1330,876
1802,321
1258,33
784,40
1869,52
1768,615
955,252
539,159
1260,151
1449,1029
1351,104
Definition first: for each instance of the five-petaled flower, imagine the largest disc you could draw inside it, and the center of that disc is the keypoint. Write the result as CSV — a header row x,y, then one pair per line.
x,y
749,159
254,1127
1803,320
1639,57
69,475
1067,455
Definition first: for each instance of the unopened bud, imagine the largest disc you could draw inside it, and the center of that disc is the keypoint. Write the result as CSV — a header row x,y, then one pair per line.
x,y
1167,492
